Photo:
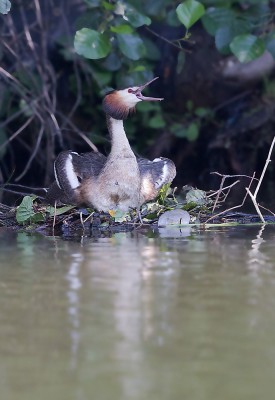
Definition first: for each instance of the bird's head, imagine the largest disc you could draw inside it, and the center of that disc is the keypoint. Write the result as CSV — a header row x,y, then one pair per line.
x,y
120,103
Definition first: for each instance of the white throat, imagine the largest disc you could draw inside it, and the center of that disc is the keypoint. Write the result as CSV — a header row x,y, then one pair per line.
x,y
120,143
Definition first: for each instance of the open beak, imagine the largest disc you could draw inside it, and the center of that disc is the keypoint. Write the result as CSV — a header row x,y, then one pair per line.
x,y
140,95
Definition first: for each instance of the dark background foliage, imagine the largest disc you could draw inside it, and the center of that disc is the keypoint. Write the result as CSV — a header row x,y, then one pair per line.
x,y
215,66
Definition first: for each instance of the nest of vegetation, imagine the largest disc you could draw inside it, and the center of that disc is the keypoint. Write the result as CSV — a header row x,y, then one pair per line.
x,y
199,207
32,215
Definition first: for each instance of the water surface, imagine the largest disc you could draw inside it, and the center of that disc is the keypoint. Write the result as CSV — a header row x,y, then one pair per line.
x,y
142,316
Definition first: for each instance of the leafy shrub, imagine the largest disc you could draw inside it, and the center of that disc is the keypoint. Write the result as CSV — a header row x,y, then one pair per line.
x,y
105,44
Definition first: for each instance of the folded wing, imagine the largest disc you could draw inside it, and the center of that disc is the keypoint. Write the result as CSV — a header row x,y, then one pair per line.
x,y
155,174
70,169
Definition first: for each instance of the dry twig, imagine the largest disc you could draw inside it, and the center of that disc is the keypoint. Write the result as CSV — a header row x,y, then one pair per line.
x,y
28,74
221,189
253,196
234,207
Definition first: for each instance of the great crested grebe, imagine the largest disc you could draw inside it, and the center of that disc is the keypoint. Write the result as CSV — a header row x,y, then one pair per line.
x,y
119,181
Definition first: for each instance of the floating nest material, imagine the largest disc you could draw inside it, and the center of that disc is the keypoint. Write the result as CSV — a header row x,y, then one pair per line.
x,y
33,216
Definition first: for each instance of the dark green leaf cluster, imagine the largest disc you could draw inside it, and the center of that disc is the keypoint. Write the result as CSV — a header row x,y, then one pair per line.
x,y
243,31
117,40
52,83
30,212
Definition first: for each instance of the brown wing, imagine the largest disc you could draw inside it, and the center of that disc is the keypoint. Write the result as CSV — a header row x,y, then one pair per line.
x,y
55,194
70,169
88,164
155,174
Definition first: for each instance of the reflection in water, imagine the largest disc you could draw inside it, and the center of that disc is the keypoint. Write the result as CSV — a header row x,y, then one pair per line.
x,y
136,317
74,285
175,232
257,259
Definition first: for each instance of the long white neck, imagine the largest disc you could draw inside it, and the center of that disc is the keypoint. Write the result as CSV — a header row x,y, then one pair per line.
x,y
120,143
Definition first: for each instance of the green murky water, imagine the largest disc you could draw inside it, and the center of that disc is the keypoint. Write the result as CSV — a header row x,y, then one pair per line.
x,y
133,317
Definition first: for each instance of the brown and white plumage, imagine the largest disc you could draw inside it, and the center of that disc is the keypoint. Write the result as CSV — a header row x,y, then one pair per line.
x,y
119,181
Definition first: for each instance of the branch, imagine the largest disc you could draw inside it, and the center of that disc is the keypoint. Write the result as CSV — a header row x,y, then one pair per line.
x,y
232,208
254,195
167,40
13,136
82,135
221,189
34,152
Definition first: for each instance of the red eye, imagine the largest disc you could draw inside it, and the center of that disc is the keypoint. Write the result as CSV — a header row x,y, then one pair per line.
x,y
130,91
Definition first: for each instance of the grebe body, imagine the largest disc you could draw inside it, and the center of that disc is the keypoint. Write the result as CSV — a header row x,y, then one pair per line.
x,y
119,181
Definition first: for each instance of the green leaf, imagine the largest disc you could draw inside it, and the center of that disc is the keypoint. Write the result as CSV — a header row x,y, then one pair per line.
x,y
5,6
38,217
178,130
108,6
25,210
192,132
164,193
120,216
135,18
223,38
112,62
91,44
225,34
138,68
247,47
216,18
58,211
172,18
190,12
156,122
99,74
259,13
196,196
153,7
101,77
122,29
202,112
131,46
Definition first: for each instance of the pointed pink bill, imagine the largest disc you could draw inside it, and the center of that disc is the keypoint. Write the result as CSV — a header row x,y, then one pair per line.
x,y
145,98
